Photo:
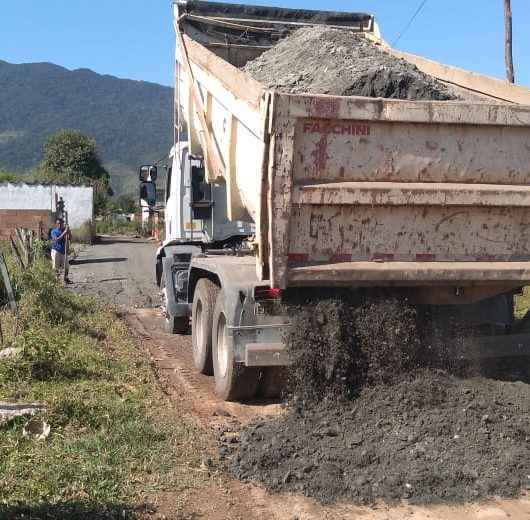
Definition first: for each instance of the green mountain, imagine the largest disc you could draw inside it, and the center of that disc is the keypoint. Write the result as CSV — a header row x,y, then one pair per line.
x,y
130,120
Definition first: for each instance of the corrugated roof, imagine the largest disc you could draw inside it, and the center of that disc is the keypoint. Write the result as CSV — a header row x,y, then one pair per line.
x,y
46,184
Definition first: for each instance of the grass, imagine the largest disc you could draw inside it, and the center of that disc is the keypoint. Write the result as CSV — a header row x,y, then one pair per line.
x,y
109,226
83,234
114,440
114,227
6,176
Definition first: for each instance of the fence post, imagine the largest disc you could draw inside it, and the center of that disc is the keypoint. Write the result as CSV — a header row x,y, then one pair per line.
x,y
7,283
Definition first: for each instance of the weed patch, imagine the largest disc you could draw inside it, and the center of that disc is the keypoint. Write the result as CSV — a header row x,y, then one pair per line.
x,y
114,439
115,227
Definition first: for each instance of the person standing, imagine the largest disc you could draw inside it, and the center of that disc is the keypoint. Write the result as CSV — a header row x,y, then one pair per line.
x,y
58,235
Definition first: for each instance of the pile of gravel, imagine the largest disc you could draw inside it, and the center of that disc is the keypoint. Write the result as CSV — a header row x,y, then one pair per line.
x,y
323,60
338,345
430,437
372,415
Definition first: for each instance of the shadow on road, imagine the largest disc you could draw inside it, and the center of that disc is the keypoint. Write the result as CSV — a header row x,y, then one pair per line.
x,y
74,511
106,240
83,261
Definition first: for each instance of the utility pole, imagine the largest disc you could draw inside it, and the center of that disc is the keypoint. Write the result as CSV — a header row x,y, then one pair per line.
x,y
508,40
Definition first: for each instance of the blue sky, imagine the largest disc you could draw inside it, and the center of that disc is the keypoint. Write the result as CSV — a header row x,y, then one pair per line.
x,y
134,39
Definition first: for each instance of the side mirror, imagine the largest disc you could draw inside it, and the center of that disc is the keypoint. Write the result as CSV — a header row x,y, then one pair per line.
x,y
148,173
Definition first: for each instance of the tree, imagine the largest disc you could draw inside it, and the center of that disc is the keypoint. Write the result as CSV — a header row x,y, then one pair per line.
x,y
6,176
71,157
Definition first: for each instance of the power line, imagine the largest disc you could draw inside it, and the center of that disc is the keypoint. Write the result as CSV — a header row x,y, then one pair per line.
x,y
407,27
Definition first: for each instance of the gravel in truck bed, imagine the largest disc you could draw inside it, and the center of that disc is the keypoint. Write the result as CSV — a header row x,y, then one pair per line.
x,y
323,60
373,415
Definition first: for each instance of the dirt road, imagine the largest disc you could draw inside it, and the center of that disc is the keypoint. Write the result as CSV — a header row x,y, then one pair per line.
x,y
118,269
121,271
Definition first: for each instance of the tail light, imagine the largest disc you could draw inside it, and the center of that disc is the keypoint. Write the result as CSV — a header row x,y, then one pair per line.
x,y
267,293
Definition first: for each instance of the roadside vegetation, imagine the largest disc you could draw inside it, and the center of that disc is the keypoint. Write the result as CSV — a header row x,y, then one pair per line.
x,y
115,227
7,176
113,214
114,441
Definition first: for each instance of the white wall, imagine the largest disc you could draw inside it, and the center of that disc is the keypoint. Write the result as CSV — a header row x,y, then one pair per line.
x,y
79,200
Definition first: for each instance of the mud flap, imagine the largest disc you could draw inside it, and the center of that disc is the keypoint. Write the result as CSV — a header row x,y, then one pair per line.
x,y
174,308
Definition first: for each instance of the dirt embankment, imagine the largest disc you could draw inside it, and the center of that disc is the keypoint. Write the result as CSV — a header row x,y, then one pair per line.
x,y
373,416
323,60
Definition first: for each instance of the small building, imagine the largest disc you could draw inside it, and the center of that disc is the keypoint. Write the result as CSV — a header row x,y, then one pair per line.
x,y
33,206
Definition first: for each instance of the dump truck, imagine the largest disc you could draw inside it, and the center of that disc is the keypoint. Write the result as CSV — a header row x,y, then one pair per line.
x,y
268,192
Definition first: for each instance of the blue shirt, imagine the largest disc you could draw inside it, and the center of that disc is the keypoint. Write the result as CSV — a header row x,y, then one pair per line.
x,y
58,245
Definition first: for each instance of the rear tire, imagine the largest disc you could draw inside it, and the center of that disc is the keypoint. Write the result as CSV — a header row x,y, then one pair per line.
x,y
233,381
201,331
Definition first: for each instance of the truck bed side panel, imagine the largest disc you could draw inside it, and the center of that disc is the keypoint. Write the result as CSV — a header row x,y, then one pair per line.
x,y
234,105
338,150
361,181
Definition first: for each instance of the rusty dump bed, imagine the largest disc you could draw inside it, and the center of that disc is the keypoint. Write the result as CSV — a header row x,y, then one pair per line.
x,y
398,193
360,191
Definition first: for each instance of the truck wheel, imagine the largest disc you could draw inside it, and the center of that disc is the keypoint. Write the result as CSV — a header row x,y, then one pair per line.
x,y
233,381
202,318
158,272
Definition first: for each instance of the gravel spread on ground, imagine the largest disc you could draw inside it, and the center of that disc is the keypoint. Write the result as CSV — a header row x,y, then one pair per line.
x,y
323,60
429,438
374,415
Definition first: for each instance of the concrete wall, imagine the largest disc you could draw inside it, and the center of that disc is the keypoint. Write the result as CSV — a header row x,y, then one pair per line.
x,y
78,200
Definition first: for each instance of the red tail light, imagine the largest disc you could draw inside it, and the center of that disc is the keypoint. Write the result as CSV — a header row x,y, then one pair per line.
x,y
267,293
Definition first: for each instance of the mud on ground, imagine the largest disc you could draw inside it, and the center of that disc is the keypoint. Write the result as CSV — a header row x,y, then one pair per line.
x,y
323,60
373,416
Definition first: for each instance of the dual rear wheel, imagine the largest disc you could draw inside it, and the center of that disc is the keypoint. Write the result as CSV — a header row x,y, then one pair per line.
x,y
213,347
